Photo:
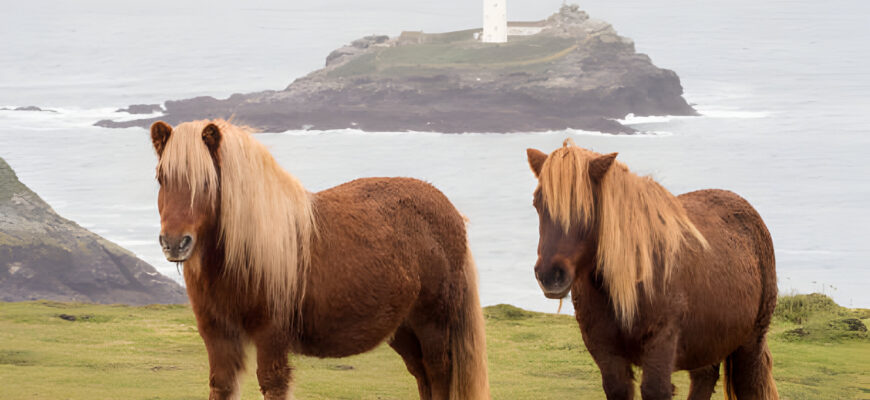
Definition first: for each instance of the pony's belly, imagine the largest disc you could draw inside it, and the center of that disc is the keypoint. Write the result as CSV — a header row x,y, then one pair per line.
x,y
339,345
709,345
346,331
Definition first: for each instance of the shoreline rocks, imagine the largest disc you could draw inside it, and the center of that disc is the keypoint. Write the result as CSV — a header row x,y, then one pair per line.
x,y
46,256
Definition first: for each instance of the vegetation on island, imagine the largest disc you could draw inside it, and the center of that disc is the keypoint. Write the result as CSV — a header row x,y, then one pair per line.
x,y
457,51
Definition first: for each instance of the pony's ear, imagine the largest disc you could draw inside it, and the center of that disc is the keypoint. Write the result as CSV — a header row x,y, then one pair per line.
x,y
536,160
600,165
160,132
211,136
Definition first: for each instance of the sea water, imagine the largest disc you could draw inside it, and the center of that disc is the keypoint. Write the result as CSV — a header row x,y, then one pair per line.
x,y
782,85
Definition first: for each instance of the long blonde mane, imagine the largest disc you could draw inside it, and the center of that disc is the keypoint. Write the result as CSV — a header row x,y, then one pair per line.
x,y
641,224
267,216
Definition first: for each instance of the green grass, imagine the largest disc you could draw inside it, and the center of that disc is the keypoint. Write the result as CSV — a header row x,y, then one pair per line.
x,y
154,352
442,52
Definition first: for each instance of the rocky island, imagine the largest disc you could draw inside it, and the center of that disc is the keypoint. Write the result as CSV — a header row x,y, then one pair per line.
x,y
46,256
568,71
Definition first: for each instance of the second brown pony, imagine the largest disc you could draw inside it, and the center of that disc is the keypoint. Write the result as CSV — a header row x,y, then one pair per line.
x,y
660,281
326,274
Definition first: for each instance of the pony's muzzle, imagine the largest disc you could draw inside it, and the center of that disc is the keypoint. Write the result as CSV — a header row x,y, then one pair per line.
x,y
177,248
554,280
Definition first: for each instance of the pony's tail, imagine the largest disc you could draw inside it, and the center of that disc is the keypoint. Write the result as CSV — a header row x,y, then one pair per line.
x,y
728,378
750,375
469,380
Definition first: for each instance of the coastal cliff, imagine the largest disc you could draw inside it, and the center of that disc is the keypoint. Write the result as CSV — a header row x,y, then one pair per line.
x,y
46,256
568,71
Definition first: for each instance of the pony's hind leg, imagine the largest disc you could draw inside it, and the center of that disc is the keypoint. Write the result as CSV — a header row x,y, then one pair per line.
x,y
407,345
748,373
435,348
703,382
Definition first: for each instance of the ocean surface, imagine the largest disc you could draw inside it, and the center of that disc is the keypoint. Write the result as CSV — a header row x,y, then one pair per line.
x,y
783,86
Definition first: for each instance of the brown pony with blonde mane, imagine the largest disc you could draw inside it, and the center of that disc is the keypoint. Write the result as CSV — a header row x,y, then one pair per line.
x,y
660,281
327,274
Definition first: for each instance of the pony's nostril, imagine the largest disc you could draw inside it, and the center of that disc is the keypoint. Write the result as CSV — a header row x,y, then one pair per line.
x,y
162,240
185,242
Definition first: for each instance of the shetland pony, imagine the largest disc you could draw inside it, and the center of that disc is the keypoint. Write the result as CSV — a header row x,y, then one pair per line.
x,y
662,282
326,274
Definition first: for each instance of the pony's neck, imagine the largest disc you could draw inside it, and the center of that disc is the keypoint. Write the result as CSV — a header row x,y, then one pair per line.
x,y
209,254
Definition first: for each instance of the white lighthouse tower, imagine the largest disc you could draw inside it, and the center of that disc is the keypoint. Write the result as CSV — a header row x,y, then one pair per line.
x,y
494,21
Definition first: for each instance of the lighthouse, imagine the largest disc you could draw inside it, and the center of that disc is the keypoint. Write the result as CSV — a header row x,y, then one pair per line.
x,y
494,21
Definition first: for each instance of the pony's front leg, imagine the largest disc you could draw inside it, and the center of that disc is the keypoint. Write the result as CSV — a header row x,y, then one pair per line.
x,y
226,359
657,365
273,371
617,378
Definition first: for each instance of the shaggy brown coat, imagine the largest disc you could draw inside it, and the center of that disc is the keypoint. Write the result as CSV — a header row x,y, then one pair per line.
x,y
367,261
666,283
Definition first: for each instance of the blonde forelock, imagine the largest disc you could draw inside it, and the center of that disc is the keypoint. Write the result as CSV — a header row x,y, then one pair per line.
x,y
641,225
266,215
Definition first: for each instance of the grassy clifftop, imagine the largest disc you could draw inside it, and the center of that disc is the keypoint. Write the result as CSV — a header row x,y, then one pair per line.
x,y
154,352
458,52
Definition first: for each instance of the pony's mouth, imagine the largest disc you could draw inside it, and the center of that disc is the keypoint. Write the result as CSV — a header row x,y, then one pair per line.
x,y
179,256
555,293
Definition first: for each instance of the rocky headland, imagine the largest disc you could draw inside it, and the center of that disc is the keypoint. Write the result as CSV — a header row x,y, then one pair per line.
x,y
46,256
568,71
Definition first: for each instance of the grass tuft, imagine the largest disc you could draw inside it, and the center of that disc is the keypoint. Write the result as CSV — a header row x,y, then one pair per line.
x,y
816,317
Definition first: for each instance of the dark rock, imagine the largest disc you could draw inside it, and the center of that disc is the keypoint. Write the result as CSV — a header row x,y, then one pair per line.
x,y
849,324
158,368
369,41
27,108
577,73
45,256
141,109
67,317
794,334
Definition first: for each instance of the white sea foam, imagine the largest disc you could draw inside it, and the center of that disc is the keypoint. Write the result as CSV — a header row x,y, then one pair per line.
x,y
632,119
53,118
731,113
705,111
358,132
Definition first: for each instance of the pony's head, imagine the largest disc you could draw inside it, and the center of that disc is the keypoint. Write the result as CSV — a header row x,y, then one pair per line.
x,y
564,201
595,214
220,187
188,173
